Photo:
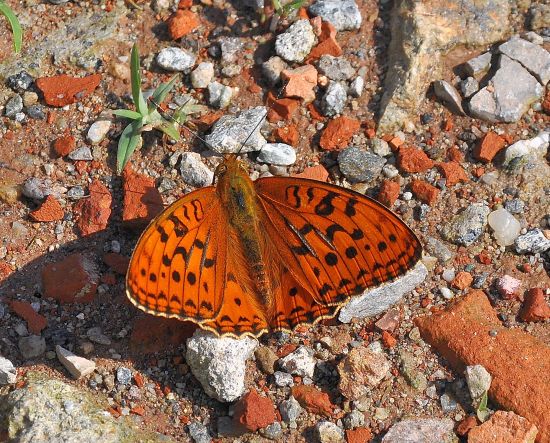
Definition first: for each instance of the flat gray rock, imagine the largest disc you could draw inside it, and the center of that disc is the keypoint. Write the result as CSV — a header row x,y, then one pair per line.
x,y
425,430
193,171
377,300
467,226
219,363
334,100
296,42
449,95
359,165
176,59
478,64
279,154
219,95
231,131
511,92
335,68
533,57
343,14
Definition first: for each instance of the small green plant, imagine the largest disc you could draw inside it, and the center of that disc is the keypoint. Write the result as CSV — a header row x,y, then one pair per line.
x,y
482,410
279,10
146,116
16,30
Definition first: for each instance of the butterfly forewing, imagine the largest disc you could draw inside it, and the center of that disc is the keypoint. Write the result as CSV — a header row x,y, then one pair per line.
x,y
177,269
336,242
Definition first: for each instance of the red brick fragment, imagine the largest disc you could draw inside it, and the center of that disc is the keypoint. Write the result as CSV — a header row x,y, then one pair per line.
x,y
181,23
338,133
300,82
142,200
156,334
62,90
462,280
358,435
287,134
466,425
504,427
470,333
138,410
453,173
5,271
314,173
285,108
72,280
35,321
455,155
535,307
50,210
424,192
389,340
327,47
489,146
389,192
313,400
92,213
413,160
254,411
64,145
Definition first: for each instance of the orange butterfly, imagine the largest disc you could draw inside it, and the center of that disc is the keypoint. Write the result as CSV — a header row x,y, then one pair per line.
x,y
245,257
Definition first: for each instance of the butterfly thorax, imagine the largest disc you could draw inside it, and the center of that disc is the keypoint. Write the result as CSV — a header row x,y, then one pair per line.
x,y
241,205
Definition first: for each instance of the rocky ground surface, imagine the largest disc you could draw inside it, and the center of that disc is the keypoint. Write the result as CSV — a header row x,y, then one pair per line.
x,y
440,110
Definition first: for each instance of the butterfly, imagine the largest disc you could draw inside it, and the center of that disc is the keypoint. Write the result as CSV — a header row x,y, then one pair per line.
x,y
246,257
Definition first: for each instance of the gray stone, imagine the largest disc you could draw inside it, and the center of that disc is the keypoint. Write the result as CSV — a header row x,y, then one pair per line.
x,y
231,48
512,90
359,165
98,131
533,57
343,14
334,100
20,82
380,147
356,87
176,59
227,427
425,430
467,226
354,419
335,68
412,374
438,250
219,96
539,17
469,87
272,432
193,171
296,42
449,95
46,409
448,403
76,192
219,364
283,379
202,75
478,380
290,410
514,206
422,32
123,375
328,432
272,69
14,106
279,154
36,188
230,132
301,362
8,372
478,65
82,153
36,112
532,242
77,366
95,335
231,70
199,433
166,184
32,346
375,301
533,37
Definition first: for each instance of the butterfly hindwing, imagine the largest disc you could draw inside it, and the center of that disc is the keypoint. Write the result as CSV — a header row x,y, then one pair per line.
x,y
176,269
336,242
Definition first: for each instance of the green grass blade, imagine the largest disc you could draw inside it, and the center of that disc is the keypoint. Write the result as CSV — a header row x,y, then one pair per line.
x,y
15,26
127,113
170,130
161,92
137,96
127,144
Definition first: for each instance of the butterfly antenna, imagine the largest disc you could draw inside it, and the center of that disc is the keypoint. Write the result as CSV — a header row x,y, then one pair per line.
x,y
173,120
261,120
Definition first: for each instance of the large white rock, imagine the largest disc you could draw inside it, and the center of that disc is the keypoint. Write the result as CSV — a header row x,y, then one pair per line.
x,y
219,363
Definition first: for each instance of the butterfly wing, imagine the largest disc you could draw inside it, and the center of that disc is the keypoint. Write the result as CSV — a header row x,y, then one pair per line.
x,y
334,243
178,266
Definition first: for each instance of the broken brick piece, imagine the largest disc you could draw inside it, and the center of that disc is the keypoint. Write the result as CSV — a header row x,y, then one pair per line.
x,y
424,192
338,133
50,210
413,160
489,146
62,90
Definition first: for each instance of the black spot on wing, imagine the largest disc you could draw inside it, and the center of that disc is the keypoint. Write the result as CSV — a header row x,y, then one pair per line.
x,y
325,206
